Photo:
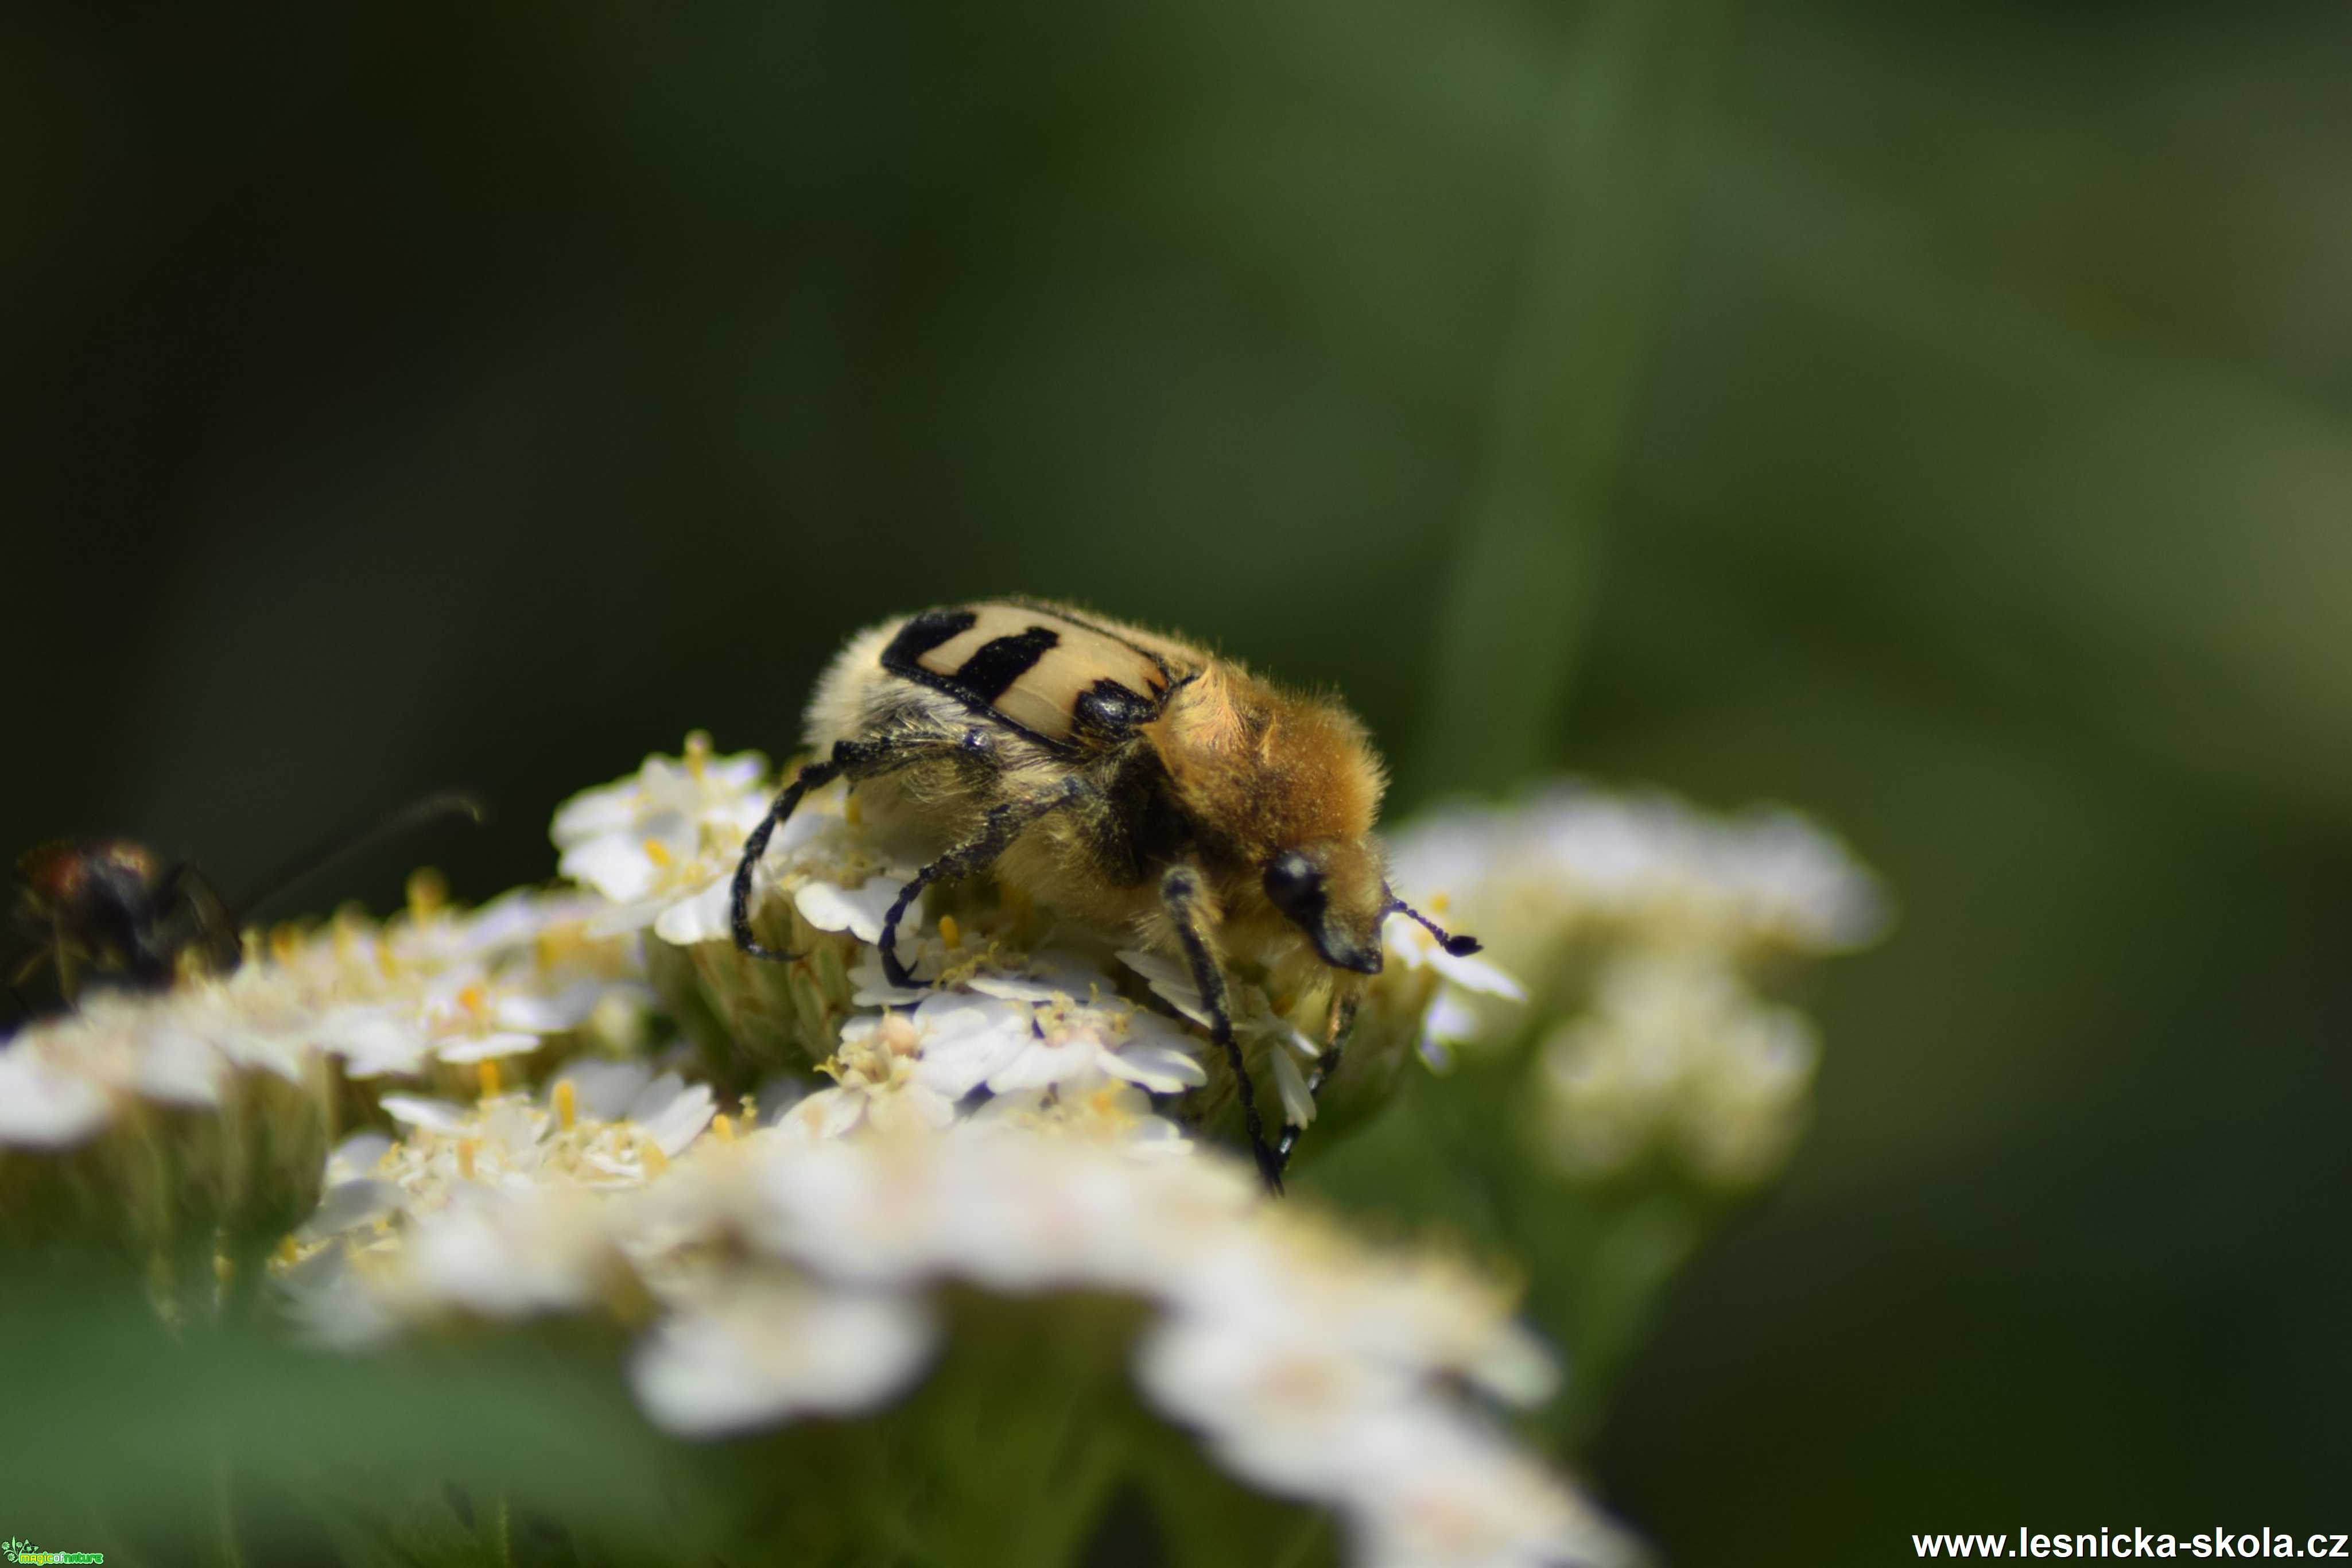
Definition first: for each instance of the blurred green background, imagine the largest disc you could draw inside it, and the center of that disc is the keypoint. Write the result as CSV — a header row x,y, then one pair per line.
x,y
1937,417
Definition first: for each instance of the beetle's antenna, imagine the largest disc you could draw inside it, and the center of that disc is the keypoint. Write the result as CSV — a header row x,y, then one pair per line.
x,y
1457,946
415,814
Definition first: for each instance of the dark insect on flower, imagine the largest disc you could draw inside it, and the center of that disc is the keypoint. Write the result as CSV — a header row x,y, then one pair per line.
x,y
115,912
1123,778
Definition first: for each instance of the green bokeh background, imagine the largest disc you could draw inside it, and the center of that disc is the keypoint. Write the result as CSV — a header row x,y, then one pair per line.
x,y
1937,417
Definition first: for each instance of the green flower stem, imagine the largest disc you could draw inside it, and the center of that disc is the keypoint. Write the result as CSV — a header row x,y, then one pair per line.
x,y
1634,93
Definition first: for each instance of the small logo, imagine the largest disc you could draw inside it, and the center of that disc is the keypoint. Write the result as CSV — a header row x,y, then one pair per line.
x,y
16,1549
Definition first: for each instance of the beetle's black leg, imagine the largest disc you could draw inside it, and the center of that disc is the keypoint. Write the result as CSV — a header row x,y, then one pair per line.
x,y
1180,891
1002,826
812,776
1325,1066
856,759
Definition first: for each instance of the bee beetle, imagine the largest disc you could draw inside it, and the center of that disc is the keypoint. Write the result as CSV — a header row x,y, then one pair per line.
x,y
1121,777
111,906
117,910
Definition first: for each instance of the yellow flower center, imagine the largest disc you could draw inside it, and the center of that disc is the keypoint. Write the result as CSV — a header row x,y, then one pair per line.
x,y
428,893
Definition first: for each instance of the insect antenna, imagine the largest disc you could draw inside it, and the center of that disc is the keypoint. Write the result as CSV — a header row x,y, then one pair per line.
x,y
447,803
1457,946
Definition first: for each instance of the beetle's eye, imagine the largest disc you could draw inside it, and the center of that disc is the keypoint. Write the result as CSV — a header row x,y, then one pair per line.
x,y
1291,880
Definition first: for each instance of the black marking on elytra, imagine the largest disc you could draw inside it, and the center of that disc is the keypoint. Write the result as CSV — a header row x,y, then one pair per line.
x,y
923,632
1108,711
991,672
927,631
1084,623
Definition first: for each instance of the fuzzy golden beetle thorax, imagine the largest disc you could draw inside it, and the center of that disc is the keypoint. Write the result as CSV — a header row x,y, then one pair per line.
x,y
1263,769
1262,773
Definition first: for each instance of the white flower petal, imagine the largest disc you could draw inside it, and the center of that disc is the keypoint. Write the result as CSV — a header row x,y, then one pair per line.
x,y
680,1122
626,919
764,1352
514,920
549,1015
1164,1069
913,1108
1043,979
484,1047
347,1205
1474,973
606,1090
178,1067
1169,981
656,1097
595,814
433,1115
705,916
963,1046
509,1258
810,823
1298,1104
376,1042
355,1156
857,910
1451,1020
878,993
827,1113
1040,1064
615,864
43,1106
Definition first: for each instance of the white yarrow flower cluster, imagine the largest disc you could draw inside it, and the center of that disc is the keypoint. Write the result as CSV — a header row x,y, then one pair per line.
x,y
1645,926
1570,857
1312,1367
983,1126
1678,1056
429,995
413,1220
1005,1125
661,844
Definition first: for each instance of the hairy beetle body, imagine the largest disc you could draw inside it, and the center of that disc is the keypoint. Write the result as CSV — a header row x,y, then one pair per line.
x,y
1122,777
